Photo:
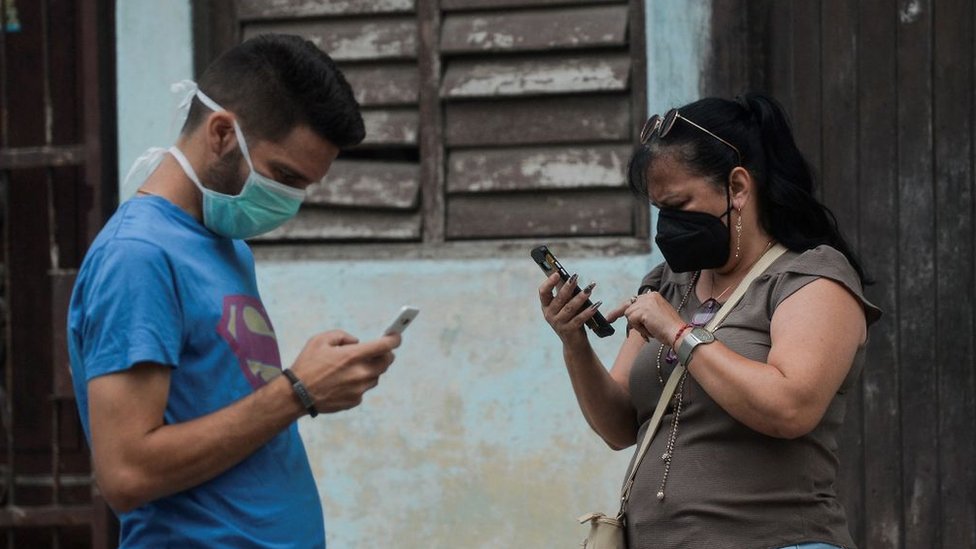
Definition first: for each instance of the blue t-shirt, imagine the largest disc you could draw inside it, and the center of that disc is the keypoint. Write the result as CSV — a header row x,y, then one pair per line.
x,y
158,286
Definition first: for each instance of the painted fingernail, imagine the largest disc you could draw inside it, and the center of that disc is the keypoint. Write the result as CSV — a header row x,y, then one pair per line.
x,y
587,290
572,279
597,305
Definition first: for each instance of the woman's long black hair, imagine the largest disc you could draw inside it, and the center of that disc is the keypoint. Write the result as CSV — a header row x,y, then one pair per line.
x,y
757,125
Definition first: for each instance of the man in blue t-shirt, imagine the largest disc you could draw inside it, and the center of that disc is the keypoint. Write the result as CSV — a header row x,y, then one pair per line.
x,y
174,359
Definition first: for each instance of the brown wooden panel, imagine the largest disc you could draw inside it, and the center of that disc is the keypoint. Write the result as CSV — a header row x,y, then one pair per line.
x,y
352,39
368,184
952,96
491,4
28,298
807,79
537,168
878,205
727,70
390,127
557,28
39,157
917,282
347,224
46,515
432,115
551,75
540,214
62,282
638,101
550,120
839,169
283,9
384,84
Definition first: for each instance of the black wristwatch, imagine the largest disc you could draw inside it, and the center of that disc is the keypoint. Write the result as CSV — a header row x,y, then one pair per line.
x,y
695,337
301,391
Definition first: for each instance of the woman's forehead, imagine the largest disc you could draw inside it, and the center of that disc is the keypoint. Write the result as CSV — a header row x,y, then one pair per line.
x,y
667,176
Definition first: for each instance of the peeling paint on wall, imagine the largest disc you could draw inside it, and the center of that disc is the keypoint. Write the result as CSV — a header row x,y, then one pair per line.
x,y
473,438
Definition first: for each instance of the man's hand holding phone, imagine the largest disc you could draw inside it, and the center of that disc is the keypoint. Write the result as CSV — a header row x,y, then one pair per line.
x,y
337,369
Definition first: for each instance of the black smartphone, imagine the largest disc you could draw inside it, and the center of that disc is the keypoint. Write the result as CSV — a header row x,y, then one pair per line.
x,y
549,264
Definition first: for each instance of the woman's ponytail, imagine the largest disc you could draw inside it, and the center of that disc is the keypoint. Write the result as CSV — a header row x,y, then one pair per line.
x,y
790,210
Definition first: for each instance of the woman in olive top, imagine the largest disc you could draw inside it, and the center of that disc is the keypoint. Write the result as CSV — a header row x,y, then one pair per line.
x,y
746,456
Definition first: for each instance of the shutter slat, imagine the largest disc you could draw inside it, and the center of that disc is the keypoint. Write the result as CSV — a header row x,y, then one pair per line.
x,y
524,169
492,4
368,184
572,119
508,77
390,127
351,40
384,84
535,30
586,213
336,224
281,9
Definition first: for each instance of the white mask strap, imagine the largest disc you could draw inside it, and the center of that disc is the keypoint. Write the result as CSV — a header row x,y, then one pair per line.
x,y
187,90
187,168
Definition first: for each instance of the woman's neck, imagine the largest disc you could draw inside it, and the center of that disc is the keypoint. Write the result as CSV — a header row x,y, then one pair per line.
x,y
722,282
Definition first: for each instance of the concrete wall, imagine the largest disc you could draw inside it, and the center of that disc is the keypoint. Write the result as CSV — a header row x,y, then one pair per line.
x,y
473,439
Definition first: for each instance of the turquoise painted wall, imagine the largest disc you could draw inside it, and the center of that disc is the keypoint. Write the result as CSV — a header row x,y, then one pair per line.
x,y
473,438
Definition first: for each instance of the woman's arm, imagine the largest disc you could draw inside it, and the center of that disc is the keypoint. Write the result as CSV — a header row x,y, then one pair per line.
x,y
815,334
603,396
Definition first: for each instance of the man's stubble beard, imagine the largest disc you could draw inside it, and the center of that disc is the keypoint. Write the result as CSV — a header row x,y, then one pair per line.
x,y
224,175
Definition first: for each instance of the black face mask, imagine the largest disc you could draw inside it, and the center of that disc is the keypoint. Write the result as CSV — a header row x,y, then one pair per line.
x,y
692,241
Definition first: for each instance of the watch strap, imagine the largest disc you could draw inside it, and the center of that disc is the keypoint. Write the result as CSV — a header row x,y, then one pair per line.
x,y
302,392
688,344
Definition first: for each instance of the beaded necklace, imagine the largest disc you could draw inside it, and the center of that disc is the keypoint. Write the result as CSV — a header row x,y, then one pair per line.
x,y
676,399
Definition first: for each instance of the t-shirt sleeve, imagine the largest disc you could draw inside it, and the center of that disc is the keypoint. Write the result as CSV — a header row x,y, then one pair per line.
x,y
131,311
653,280
821,262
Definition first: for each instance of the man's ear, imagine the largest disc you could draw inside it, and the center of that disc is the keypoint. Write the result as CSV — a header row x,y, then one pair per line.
x,y
219,133
741,185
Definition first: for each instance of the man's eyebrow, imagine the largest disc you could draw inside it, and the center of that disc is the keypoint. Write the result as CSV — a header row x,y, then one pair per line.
x,y
288,171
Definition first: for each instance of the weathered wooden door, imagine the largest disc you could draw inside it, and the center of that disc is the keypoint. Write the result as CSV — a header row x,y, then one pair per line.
x,y
57,151
881,94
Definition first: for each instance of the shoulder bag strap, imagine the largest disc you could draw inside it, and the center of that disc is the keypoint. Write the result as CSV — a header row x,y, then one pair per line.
x,y
764,262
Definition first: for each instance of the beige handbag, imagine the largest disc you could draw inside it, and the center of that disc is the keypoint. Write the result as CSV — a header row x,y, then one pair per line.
x,y
609,533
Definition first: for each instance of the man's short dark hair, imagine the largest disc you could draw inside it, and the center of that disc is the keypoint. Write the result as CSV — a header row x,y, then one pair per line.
x,y
275,82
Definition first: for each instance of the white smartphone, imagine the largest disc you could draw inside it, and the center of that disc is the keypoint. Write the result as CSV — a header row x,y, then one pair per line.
x,y
406,316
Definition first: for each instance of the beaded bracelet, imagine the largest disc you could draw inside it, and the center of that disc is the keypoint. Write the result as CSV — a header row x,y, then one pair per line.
x,y
681,331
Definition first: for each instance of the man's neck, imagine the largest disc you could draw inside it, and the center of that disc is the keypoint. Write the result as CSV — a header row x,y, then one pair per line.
x,y
169,181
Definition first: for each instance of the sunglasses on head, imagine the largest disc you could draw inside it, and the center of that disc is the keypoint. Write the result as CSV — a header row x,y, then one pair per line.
x,y
662,125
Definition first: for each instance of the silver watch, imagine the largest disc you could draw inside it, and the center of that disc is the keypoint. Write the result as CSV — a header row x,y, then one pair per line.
x,y
695,337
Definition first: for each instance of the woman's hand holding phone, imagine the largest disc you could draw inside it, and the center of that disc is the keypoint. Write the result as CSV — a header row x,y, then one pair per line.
x,y
564,311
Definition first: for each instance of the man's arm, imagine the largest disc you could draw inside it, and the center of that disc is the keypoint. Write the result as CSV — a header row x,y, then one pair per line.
x,y
139,458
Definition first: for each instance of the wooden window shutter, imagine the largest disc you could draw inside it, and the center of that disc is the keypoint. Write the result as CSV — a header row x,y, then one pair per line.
x,y
372,192
486,119
538,118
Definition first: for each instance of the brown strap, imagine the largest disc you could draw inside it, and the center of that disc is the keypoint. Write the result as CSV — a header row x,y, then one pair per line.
x,y
764,262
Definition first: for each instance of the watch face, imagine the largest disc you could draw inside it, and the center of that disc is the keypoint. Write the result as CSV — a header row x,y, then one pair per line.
x,y
703,335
